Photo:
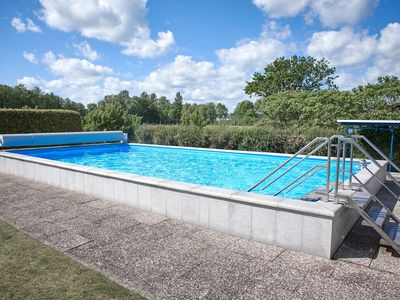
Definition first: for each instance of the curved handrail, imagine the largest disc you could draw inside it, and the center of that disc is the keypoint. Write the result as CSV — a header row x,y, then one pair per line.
x,y
287,161
373,146
314,170
296,164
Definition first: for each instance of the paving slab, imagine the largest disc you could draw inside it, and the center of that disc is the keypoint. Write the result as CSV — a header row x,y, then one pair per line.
x,y
168,259
65,240
43,230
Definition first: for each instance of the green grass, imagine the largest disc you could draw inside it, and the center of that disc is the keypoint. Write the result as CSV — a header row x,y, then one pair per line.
x,y
31,270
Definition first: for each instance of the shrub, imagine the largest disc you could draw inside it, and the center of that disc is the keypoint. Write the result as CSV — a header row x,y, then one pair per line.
x,y
250,138
38,120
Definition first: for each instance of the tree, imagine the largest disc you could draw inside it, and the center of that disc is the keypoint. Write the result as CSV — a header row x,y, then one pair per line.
x,y
297,73
221,111
386,88
175,112
111,115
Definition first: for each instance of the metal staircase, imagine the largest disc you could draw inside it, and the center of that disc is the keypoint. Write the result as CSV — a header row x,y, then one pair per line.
x,y
353,192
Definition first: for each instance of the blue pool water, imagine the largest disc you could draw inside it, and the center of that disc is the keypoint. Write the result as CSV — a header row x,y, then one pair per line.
x,y
231,170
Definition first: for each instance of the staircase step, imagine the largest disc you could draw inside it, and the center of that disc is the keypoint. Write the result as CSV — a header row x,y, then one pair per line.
x,y
377,213
393,230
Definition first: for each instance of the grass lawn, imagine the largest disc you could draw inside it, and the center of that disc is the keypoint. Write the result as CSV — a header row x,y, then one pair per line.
x,y
31,270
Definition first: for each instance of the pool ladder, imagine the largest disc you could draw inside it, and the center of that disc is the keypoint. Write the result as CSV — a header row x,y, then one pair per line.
x,y
376,210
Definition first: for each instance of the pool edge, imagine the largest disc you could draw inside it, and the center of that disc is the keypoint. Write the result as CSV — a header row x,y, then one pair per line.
x,y
312,227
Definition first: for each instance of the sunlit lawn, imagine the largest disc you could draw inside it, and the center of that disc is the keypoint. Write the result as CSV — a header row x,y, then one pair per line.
x,y
31,270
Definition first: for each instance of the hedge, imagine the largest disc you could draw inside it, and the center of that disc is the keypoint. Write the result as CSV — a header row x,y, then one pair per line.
x,y
265,138
39,120
250,138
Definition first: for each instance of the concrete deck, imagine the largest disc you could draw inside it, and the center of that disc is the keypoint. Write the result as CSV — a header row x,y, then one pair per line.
x,y
166,259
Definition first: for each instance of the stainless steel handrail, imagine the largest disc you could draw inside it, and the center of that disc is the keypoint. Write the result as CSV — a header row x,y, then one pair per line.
x,y
287,161
316,170
296,164
363,151
372,145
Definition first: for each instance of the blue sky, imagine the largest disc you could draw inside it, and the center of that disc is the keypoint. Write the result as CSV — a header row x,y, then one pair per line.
x,y
204,49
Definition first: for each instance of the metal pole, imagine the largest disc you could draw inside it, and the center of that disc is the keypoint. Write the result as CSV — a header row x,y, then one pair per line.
x,y
344,162
328,170
391,148
336,199
351,166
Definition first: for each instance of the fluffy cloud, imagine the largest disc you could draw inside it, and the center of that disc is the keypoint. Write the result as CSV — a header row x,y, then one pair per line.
x,y
343,48
20,26
256,53
332,13
388,53
31,57
28,82
74,71
120,21
281,8
253,54
86,51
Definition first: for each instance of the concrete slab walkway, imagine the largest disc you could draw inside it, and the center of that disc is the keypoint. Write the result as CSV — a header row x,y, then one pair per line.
x,y
166,259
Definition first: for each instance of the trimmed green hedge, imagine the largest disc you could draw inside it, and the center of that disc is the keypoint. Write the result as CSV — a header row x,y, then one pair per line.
x,y
250,138
39,120
266,138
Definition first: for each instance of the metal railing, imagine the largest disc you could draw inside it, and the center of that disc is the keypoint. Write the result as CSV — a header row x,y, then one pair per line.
x,y
345,147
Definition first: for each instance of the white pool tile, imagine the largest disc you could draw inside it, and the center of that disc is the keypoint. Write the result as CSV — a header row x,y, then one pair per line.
x,y
131,194
88,184
191,208
263,224
289,230
240,220
98,186
159,201
219,215
119,191
174,205
144,197
317,233
108,186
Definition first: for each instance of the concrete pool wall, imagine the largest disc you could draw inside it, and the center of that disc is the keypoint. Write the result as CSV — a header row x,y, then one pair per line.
x,y
316,228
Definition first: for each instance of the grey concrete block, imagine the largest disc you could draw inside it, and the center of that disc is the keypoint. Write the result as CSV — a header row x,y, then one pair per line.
x,y
240,220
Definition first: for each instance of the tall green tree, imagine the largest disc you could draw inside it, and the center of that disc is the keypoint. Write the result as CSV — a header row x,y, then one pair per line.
x,y
297,73
221,111
175,112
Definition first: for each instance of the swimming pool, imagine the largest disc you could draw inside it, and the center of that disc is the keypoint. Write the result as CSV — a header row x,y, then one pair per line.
x,y
224,169
199,186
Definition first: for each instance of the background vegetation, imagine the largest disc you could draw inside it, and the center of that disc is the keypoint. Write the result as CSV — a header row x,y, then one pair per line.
x,y
39,120
295,100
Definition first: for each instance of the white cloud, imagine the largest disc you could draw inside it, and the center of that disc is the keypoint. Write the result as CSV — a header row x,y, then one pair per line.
x,y
32,26
121,22
281,8
388,53
73,71
20,26
86,51
28,82
332,13
113,85
253,54
343,48
256,53
31,57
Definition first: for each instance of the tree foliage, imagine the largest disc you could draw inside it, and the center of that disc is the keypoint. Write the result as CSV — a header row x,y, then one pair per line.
x,y
297,73
21,97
